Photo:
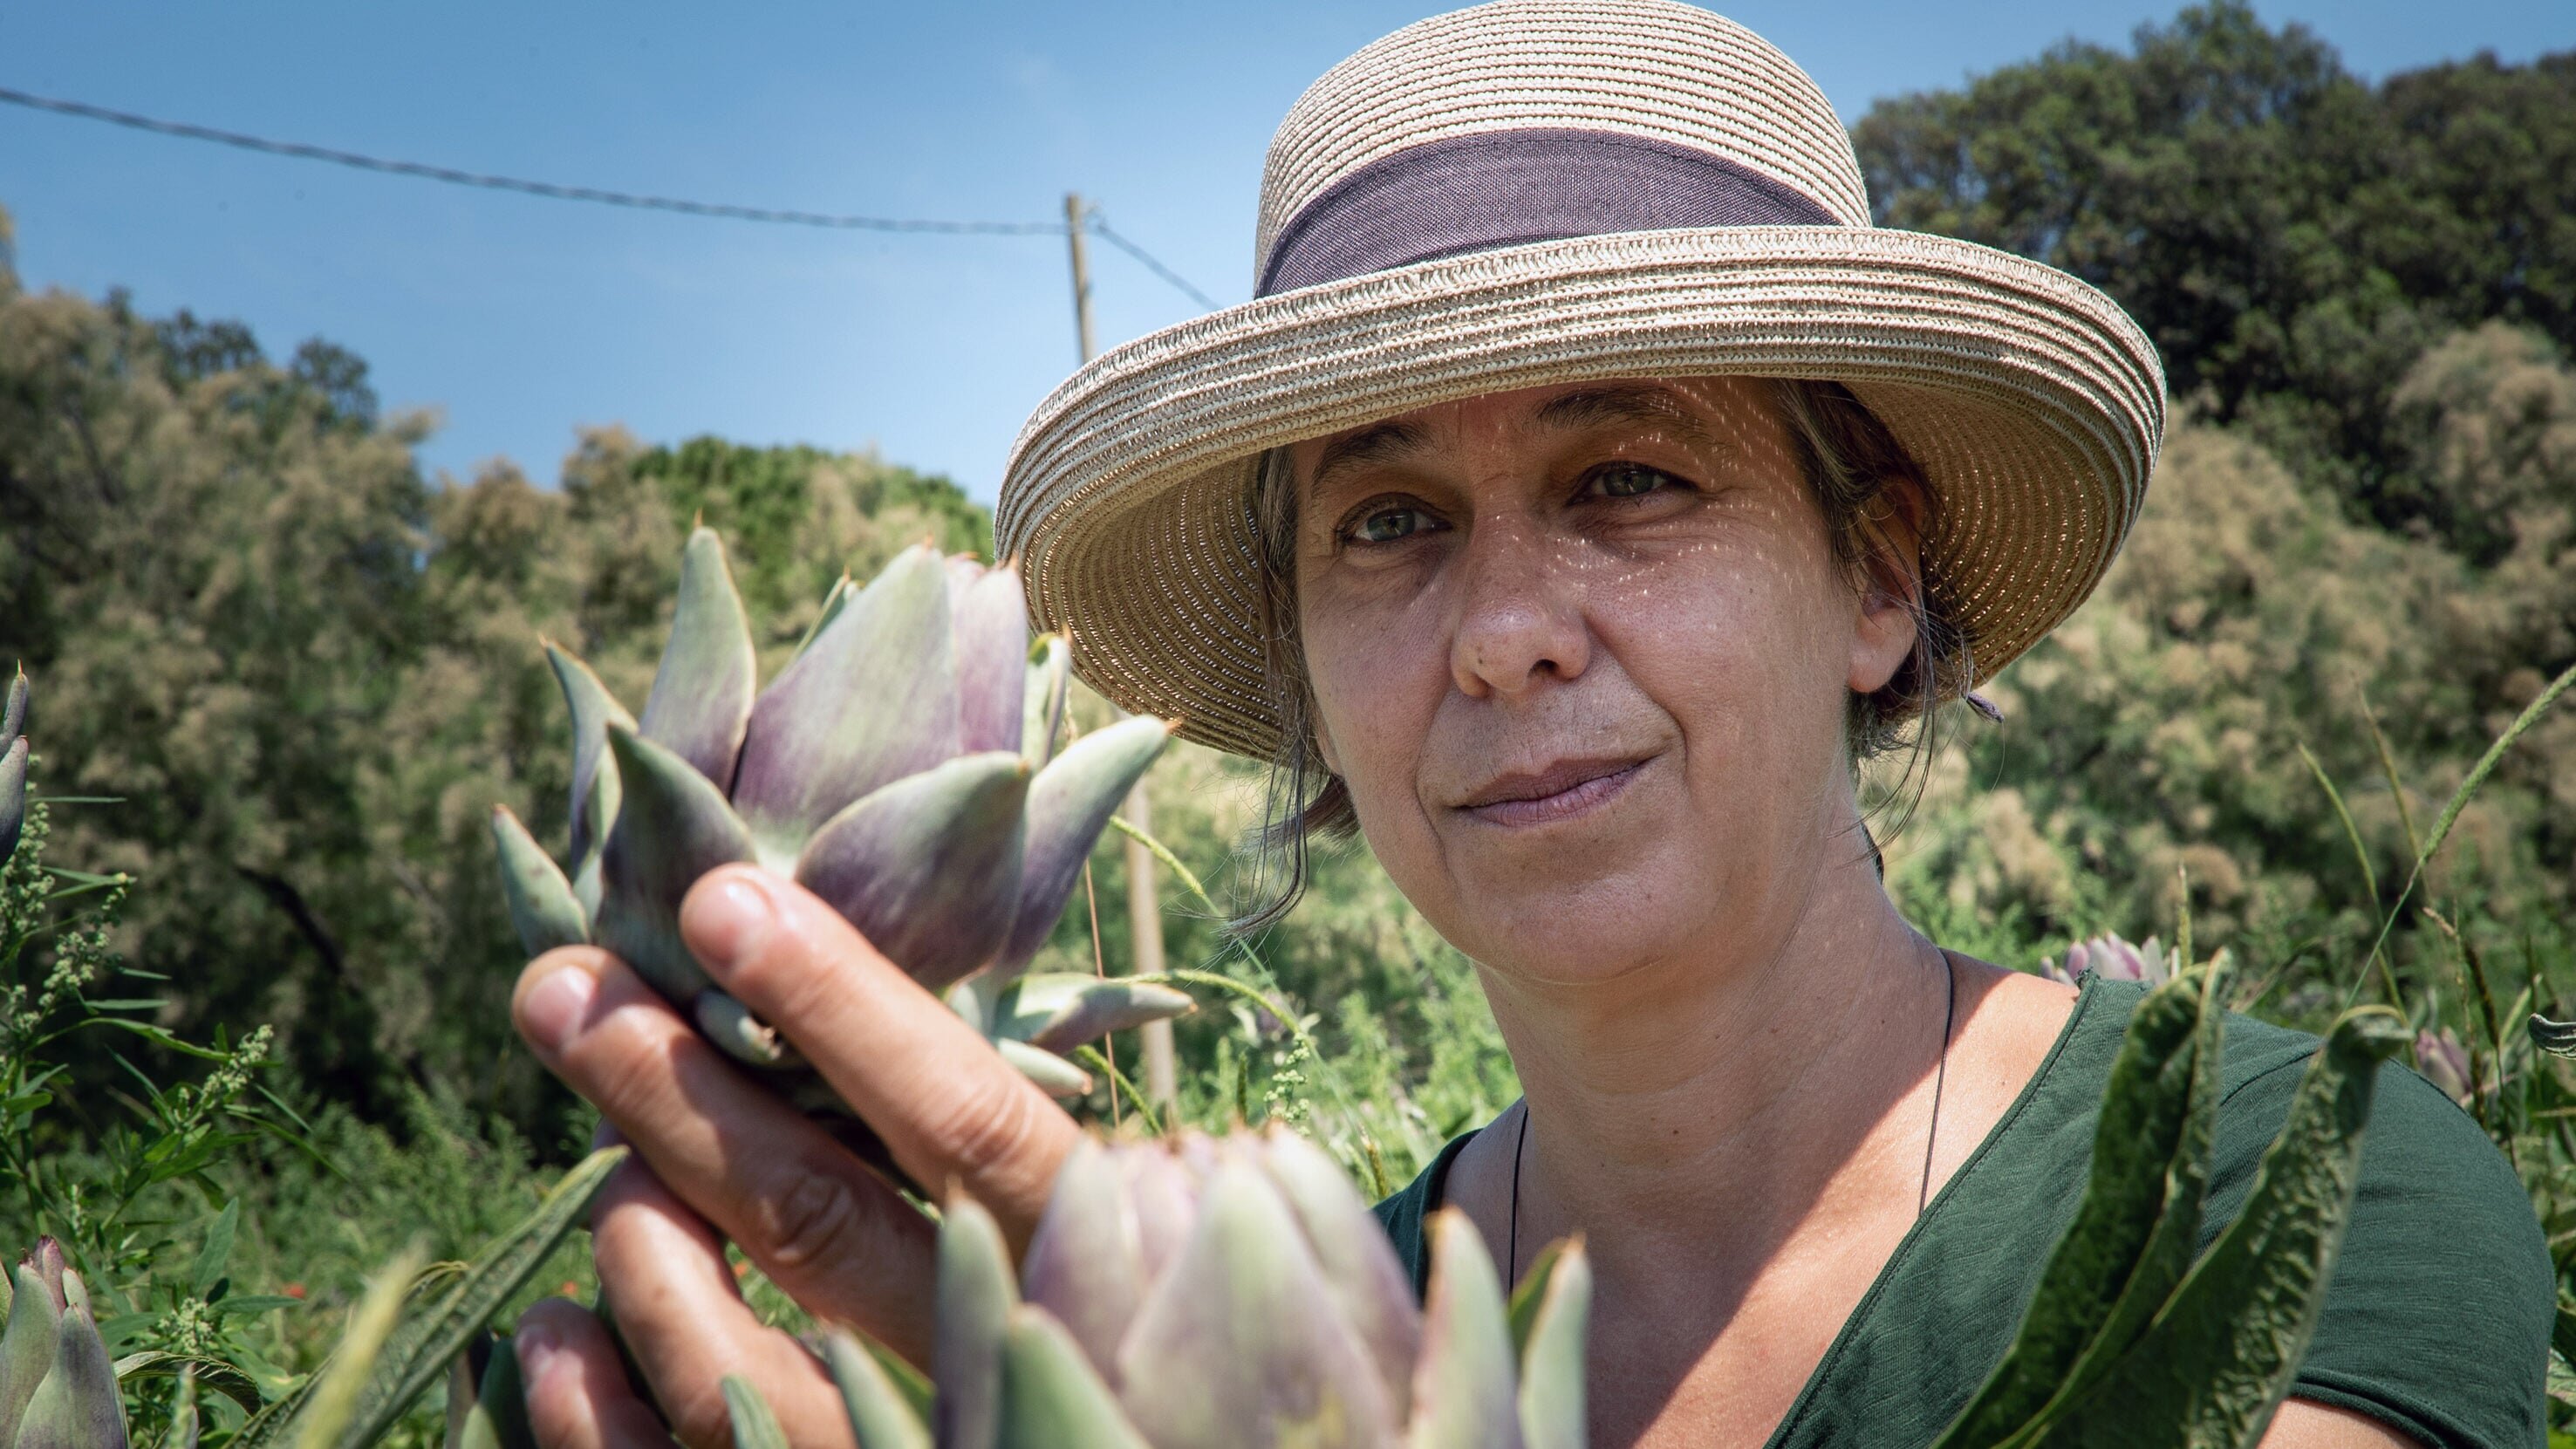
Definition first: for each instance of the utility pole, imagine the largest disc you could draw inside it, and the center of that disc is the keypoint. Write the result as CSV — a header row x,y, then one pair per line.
x,y
1144,909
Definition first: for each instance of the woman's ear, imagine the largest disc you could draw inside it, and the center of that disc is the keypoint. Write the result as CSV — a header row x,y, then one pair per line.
x,y
1891,601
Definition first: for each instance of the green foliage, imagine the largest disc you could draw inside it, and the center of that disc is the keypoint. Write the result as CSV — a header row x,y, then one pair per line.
x,y
2291,237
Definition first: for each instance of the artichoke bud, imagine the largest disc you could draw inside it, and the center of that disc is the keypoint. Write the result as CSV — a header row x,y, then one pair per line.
x,y
901,765
13,714
57,1386
1189,1294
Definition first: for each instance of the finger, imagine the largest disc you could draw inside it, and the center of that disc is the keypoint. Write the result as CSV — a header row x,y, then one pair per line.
x,y
578,1394
665,1276
950,1110
822,1225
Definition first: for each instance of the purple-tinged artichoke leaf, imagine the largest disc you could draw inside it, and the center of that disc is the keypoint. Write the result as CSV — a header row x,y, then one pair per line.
x,y
1050,680
989,624
1051,1397
1551,1349
1463,1394
13,715
872,700
1061,1010
1085,1264
883,1414
48,1262
13,795
927,868
1370,1286
1070,802
76,1407
1050,1073
1164,1190
975,1302
701,696
542,904
27,1345
835,599
672,828
1245,1328
594,797
740,1035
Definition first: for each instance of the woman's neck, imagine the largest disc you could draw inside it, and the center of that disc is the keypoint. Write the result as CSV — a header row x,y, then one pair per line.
x,y
1739,1080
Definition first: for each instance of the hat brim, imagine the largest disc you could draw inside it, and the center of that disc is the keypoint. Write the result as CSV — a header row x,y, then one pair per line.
x,y
2033,404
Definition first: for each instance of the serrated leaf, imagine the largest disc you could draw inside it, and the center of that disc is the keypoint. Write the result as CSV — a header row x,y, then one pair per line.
x,y
2150,1142
2218,1360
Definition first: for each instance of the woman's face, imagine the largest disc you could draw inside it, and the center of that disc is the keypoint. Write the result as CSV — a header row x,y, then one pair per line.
x,y
1582,654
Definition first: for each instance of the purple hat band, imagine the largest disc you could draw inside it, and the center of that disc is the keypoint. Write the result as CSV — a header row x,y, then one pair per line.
x,y
1492,189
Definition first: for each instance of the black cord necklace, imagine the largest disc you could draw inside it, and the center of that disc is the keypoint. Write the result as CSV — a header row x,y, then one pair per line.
x,y
1931,1134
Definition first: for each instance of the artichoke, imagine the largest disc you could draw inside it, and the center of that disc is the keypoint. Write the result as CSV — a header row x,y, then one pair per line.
x,y
2115,959
2444,1062
57,1387
13,765
1234,1294
903,766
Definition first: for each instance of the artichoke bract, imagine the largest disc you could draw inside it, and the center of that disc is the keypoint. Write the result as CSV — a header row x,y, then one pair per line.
x,y
57,1386
903,766
1233,1294
13,764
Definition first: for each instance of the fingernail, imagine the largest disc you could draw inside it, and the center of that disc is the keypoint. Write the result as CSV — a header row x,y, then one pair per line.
x,y
555,1006
728,920
537,1345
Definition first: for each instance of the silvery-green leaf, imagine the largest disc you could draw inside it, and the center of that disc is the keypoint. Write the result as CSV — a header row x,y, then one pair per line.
x,y
1050,678
13,795
1368,1283
1050,1073
1070,802
1463,1393
2219,1358
27,1347
672,828
1551,1348
744,1037
975,1302
754,1425
76,1407
989,624
1240,1346
1085,1264
927,867
542,904
882,1415
702,693
13,715
871,700
1051,1398
594,779
1061,1010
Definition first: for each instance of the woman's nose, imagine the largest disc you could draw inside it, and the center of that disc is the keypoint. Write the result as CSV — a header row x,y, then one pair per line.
x,y
1520,613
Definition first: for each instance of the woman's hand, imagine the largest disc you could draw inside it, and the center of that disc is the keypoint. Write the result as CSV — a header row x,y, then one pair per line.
x,y
723,1158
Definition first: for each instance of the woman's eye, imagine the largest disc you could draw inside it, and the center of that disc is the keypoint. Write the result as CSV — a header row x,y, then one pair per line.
x,y
1387,524
1627,480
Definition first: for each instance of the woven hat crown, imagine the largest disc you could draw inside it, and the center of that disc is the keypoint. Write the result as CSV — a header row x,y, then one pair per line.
x,y
1657,70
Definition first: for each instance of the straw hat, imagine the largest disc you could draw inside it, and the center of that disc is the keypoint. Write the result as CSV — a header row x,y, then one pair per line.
x,y
1549,191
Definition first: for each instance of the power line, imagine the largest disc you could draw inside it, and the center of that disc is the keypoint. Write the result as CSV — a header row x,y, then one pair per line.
x,y
297,150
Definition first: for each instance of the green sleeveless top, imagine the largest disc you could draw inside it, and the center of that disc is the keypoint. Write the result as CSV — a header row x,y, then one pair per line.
x,y
2436,1320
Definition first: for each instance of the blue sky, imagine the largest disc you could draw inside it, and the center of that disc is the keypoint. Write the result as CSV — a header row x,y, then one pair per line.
x,y
520,320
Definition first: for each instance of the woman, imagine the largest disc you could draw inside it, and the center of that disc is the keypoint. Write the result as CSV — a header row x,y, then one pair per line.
x,y
1491,523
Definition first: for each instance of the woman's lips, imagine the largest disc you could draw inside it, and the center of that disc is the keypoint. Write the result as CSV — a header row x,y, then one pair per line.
x,y
1560,792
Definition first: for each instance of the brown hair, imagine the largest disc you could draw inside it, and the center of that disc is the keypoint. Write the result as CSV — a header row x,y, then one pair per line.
x,y
1871,494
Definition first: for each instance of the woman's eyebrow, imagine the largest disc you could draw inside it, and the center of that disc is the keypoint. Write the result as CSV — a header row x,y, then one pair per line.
x,y
1634,404
1382,443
